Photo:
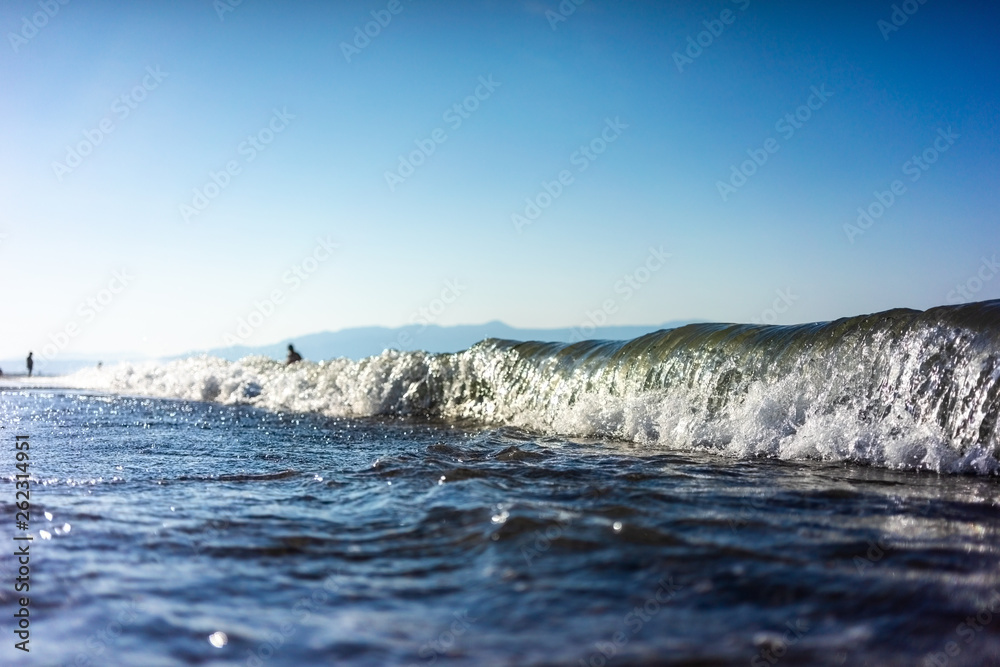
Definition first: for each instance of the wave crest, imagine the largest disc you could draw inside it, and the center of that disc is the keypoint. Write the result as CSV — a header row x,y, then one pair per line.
x,y
902,389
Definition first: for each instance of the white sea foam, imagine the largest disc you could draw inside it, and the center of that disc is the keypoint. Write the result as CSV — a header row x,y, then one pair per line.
x,y
888,395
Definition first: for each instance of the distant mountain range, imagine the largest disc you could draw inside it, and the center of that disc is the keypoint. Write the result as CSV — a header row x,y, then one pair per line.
x,y
361,342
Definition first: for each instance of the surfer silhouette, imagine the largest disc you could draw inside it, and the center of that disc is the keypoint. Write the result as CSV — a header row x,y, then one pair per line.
x,y
31,363
293,356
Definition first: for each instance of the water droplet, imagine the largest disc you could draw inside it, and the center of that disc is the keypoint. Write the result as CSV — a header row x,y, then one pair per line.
x,y
48,515
617,526
45,535
218,639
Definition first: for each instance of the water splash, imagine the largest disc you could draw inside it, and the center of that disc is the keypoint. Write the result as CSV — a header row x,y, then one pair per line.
x,y
900,389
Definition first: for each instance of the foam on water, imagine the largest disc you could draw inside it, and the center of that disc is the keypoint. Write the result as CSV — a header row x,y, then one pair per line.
x,y
902,389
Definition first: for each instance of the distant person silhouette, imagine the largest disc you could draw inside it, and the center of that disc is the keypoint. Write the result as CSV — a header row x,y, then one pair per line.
x,y
31,363
293,356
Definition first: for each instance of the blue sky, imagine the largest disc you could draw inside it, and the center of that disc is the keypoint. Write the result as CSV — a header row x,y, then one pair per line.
x,y
201,85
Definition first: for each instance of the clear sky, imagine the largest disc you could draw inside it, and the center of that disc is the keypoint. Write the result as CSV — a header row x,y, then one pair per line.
x,y
116,117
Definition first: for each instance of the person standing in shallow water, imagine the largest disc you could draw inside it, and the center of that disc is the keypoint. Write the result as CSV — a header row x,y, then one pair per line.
x,y
30,362
293,356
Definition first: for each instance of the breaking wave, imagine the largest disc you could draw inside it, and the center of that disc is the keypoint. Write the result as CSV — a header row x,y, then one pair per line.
x,y
900,389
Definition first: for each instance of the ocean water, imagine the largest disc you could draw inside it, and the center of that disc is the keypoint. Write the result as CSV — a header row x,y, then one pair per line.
x,y
712,495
